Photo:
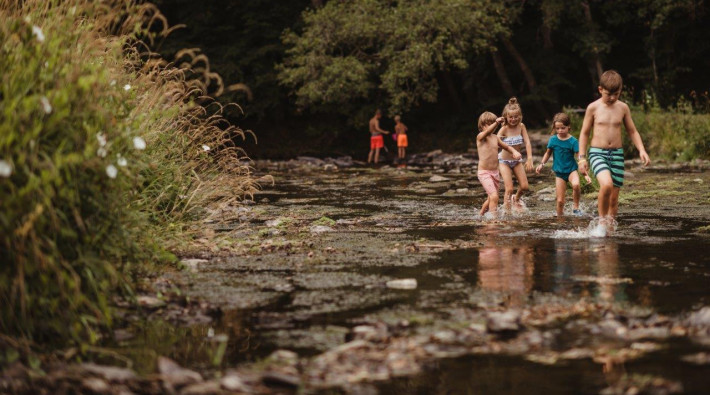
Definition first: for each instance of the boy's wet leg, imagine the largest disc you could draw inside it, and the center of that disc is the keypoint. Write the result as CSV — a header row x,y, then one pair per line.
x,y
614,202
606,187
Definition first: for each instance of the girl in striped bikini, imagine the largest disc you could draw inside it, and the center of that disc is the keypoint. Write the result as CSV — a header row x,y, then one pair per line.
x,y
514,134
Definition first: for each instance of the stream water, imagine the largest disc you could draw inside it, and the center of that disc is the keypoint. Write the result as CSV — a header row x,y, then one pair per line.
x,y
388,224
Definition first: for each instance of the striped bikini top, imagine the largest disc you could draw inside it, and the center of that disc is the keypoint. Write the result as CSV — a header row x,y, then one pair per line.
x,y
513,140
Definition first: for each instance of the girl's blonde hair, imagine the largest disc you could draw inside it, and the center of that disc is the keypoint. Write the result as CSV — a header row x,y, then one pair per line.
x,y
512,106
485,119
561,118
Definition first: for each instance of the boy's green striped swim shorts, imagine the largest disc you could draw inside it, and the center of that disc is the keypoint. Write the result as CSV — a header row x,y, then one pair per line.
x,y
612,159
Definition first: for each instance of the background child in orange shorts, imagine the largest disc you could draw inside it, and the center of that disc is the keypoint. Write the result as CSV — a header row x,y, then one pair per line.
x,y
402,142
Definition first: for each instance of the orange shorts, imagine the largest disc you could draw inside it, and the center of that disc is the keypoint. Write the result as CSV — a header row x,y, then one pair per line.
x,y
377,142
402,140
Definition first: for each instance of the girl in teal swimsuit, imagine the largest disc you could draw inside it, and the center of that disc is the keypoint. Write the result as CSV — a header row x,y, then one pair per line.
x,y
563,146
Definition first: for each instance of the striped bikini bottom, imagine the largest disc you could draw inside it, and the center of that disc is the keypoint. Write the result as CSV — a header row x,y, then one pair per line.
x,y
612,160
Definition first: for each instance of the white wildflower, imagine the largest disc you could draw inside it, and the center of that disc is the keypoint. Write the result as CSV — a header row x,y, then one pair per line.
x,y
101,138
139,143
38,33
46,64
46,106
206,147
182,196
112,83
111,171
122,161
5,168
101,152
127,87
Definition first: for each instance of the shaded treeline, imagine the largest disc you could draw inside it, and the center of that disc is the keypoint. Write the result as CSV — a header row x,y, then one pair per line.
x,y
317,76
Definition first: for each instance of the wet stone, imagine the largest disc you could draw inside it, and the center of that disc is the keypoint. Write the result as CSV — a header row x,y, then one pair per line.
x,y
503,321
405,283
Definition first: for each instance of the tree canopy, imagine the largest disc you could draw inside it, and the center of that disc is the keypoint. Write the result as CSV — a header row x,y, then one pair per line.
x,y
392,51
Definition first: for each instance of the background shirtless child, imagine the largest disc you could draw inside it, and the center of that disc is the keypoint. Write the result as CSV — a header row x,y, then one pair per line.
x,y
606,155
487,145
376,140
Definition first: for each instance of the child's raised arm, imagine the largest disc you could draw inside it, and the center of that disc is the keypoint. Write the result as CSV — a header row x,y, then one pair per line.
x,y
544,160
490,129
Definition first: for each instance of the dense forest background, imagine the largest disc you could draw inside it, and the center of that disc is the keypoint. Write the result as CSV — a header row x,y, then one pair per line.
x,y
317,70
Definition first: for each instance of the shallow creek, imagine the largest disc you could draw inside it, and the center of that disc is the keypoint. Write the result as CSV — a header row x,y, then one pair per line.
x,y
319,248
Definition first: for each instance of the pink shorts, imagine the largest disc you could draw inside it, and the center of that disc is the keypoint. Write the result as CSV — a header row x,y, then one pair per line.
x,y
490,179
377,142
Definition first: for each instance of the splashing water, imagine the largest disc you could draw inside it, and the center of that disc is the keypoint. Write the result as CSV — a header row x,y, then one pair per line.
x,y
598,227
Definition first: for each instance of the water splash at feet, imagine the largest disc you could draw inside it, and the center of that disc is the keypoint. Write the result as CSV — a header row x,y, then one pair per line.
x,y
597,228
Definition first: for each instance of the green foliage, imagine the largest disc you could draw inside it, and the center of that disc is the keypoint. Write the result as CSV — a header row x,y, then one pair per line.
x,y
675,134
100,149
378,50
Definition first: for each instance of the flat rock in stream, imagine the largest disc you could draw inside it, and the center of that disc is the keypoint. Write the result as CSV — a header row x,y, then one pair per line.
x,y
405,283
175,376
149,302
438,178
503,321
321,229
110,373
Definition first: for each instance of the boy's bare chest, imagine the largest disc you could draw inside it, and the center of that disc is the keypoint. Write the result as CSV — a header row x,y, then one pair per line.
x,y
608,118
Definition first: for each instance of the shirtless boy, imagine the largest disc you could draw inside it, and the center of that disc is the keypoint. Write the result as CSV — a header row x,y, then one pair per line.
x,y
606,155
376,140
487,145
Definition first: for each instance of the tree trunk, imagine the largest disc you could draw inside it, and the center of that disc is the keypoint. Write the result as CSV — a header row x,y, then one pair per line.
x,y
595,54
502,75
527,72
451,88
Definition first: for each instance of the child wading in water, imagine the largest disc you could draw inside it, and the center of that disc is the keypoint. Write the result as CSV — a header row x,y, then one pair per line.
x,y
563,146
401,132
606,155
376,140
487,145
514,134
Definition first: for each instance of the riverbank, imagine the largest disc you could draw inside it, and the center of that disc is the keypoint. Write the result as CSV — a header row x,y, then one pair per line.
x,y
358,278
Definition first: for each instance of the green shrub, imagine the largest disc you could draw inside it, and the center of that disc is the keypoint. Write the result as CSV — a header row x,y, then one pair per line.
x,y
101,146
674,134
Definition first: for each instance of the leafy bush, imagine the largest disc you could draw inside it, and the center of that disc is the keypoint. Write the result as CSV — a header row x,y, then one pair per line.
x,y
101,147
674,134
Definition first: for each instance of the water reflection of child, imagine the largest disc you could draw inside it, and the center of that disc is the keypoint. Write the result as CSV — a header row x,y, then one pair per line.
x,y
563,146
506,269
487,145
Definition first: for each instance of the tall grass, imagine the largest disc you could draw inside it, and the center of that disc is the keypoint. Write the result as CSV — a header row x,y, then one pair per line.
x,y
103,146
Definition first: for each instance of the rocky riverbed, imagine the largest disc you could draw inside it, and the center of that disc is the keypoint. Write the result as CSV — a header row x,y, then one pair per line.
x,y
347,278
